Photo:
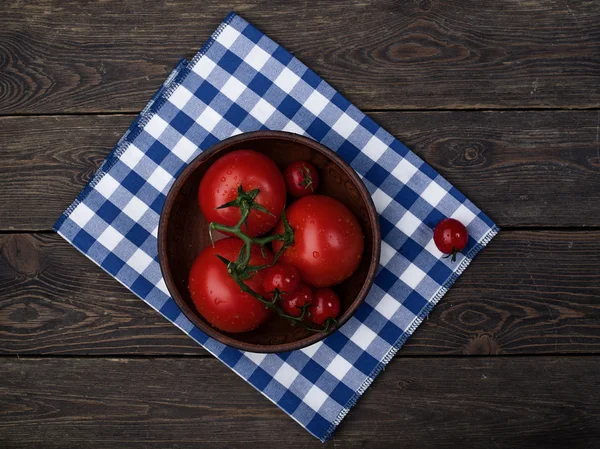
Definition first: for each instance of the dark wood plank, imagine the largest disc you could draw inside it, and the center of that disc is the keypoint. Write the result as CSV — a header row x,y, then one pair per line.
x,y
522,168
55,300
58,56
422,402
46,162
529,292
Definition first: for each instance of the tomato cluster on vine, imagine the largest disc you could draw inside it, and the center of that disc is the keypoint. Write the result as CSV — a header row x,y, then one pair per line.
x,y
274,259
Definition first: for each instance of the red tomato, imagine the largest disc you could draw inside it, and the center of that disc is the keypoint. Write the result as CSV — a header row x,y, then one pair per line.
x,y
217,296
326,304
328,241
282,277
301,178
292,302
450,236
251,170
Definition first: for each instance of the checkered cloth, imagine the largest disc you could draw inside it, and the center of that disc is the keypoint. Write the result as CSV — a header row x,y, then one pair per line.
x,y
242,81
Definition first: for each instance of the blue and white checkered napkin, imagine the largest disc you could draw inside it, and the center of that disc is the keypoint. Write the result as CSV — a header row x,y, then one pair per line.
x,y
242,81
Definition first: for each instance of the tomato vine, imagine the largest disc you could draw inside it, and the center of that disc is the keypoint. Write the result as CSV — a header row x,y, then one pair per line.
x,y
240,269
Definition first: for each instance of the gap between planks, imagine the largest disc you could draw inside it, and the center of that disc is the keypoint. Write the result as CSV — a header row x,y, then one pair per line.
x,y
210,356
366,111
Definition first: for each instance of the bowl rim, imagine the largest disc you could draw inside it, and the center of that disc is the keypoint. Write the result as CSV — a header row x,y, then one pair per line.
x,y
193,315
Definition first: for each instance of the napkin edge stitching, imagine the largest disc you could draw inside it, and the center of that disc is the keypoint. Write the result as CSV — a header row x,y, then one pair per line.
x,y
185,71
179,73
122,144
414,325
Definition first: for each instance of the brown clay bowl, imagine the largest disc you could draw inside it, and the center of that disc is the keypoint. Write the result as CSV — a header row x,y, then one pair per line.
x,y
183,233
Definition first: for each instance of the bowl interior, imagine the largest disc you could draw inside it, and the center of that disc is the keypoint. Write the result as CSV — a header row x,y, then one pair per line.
x,y
184,233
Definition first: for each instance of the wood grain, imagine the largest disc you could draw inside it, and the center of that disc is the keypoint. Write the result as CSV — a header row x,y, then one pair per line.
x,y
60,56
531,292
419,402
528,292
46,161
52,297
522,168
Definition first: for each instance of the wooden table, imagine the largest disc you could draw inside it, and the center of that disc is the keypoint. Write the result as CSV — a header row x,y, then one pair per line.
x,y
501,97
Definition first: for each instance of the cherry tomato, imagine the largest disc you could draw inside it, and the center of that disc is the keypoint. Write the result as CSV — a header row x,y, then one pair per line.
x,y
450,236
248,169
291,303
217,296
328,241
326,304
282,277
301,178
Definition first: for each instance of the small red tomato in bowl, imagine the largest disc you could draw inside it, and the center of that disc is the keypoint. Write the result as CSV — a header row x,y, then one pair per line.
x,y
217,296
328,240
250,170
281,277
325,305
292,303
301,179
450,237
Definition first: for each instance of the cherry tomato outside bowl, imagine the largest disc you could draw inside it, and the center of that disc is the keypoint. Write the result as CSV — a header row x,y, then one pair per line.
x,y
450,237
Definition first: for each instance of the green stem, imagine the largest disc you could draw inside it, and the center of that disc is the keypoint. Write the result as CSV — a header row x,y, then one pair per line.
x,y
307,181
244,258
328,324
279,253
272,304
452,254
268,239
245,209
241,270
